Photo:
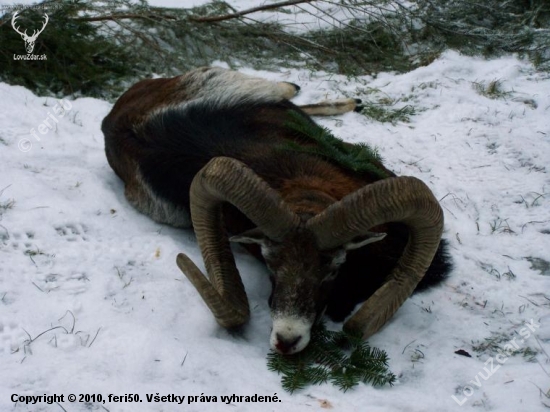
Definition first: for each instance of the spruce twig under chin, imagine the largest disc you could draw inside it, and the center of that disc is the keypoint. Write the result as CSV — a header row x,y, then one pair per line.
x,y
338,357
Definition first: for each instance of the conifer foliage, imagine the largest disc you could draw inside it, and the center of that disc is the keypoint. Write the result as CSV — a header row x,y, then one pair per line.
x,y
81,59
98,48
489,27
360,158
342,358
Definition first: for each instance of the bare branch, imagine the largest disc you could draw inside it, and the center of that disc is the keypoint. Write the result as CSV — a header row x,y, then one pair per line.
x,y
210,19
115,17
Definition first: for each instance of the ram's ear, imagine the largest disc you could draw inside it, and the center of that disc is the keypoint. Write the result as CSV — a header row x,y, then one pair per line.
x,y
250,236
360,241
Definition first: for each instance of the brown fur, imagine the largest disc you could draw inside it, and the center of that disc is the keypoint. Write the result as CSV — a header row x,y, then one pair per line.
x,y
161,132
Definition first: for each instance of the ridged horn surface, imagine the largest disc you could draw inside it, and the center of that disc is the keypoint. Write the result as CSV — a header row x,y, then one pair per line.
x,y
228,180
398,199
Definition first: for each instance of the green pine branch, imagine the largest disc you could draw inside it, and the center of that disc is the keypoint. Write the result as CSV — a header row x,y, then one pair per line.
x,y
338,357
360,158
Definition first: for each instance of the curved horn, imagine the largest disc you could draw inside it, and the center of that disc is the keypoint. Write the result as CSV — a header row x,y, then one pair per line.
x,y
398,199
228,180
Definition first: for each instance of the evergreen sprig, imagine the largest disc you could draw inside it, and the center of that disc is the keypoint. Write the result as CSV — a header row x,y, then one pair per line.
x,y
360,158
341,358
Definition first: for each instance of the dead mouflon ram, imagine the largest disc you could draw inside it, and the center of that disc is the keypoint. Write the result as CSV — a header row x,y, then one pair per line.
x,y
230,155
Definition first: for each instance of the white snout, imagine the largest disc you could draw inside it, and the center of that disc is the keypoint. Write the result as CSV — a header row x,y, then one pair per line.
x,y
290,334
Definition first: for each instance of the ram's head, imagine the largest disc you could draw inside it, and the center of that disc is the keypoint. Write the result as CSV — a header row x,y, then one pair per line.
x,y
304,256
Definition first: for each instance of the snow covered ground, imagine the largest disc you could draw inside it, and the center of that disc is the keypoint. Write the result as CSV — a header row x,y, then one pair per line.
x,y
91,301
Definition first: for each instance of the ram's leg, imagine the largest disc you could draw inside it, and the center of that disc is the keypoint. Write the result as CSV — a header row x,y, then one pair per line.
x,y
229,84
332,107
288,90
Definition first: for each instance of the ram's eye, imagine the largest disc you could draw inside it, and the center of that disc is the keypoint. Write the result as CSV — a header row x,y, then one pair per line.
x,y
333,261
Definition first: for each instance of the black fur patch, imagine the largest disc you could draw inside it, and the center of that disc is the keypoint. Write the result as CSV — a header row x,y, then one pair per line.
x,y
365,269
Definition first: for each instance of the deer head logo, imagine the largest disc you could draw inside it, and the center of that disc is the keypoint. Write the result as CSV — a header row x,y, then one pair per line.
x,y
29,40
